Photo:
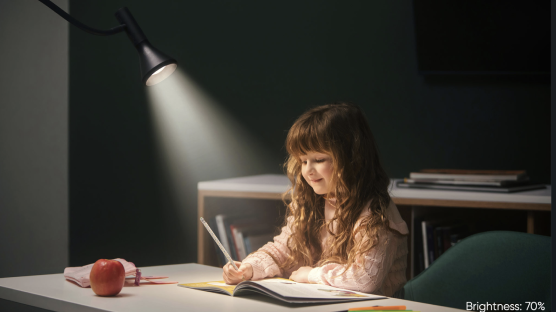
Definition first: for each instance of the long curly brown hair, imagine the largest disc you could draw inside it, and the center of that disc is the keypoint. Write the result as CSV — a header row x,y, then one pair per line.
x,y
341,131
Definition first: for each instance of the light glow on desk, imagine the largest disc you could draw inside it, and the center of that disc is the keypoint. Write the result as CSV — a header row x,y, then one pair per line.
x,y
198,140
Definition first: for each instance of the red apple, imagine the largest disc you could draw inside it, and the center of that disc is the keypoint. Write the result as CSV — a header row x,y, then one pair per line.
x,y
107,277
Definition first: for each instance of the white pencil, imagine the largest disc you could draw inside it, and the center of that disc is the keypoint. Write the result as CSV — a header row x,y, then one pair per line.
x,y
219,244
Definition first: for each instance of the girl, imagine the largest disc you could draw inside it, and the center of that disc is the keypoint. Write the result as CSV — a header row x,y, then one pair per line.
x,y
341,227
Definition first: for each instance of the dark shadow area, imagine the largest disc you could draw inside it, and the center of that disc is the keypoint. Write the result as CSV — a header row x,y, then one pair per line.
x,y
12,306
459,79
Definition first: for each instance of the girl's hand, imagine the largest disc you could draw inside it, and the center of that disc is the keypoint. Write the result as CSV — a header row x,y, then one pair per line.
x,y
301,275
233,277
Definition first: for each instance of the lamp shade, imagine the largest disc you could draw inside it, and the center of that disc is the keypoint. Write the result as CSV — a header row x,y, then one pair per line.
x,y
155,65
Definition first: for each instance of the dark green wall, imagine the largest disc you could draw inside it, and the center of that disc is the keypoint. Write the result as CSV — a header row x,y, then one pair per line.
x,y
265,63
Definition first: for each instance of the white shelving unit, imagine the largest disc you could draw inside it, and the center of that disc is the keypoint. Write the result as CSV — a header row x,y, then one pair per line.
x,y
213,195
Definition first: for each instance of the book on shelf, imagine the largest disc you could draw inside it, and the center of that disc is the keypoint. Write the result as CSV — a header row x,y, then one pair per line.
x,y
418,262
490,189
447,235
214,227
466,182
241,231
224,221
224,234
285,290
438,241
434,234
470,175
235,231
237,245
427,228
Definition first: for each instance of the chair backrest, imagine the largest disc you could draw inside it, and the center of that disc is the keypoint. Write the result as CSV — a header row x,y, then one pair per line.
x,y
499,267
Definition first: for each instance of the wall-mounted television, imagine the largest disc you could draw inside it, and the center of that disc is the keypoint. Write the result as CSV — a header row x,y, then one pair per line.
x,y
482,36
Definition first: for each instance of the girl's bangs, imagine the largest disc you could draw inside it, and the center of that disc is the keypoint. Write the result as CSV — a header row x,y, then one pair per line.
x,y
300,142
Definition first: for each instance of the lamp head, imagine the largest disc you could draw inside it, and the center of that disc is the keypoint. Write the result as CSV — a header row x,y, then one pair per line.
x,y
155,65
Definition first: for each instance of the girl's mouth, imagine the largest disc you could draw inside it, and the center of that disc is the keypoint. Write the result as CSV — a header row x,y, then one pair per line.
x,y
315,181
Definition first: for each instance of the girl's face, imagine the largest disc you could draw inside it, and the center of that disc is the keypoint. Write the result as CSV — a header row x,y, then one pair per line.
x,y
317,169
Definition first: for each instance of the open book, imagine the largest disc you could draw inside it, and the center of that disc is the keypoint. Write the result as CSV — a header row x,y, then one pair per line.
x,y
285,290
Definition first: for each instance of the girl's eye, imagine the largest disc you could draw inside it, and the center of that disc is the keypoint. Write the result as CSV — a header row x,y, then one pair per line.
x,y
304,162
319,160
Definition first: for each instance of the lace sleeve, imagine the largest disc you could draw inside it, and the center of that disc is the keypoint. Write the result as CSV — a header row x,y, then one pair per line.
x,y
367,275
263,265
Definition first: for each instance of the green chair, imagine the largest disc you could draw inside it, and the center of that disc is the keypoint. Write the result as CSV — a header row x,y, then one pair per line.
x,y
491,267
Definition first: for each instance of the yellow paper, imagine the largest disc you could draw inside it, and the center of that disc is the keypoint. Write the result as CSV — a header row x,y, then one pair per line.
x,y
216,284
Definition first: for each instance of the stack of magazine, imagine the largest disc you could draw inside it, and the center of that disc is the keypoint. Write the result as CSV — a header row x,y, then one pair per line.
x,y
498,181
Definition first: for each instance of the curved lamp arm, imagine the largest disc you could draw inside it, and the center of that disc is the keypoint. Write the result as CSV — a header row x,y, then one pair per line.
x,y
155,65
80,25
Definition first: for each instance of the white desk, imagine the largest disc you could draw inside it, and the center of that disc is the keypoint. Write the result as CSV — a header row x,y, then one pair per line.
x,y
53,292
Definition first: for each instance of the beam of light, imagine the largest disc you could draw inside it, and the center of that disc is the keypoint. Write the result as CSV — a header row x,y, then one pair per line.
x,y
198,140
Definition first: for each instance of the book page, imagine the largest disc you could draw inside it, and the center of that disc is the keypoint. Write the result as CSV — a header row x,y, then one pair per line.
x,y
291,289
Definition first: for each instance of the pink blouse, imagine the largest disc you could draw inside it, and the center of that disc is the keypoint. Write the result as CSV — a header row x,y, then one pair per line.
x,y
382,271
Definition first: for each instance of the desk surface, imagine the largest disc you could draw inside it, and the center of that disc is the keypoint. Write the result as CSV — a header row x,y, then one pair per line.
x,y
276,183
53,292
